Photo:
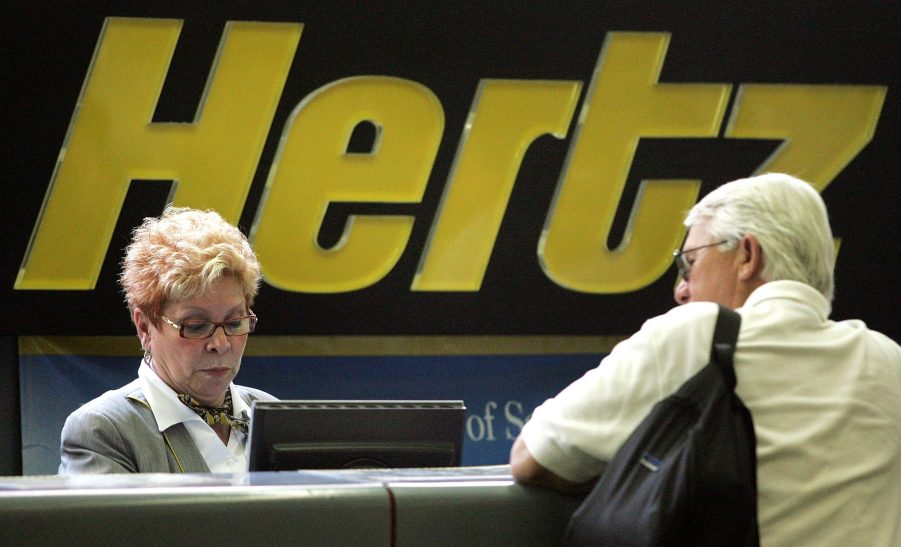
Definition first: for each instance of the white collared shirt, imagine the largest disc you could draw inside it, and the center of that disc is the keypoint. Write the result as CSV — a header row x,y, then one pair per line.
x,y
169,410
824,396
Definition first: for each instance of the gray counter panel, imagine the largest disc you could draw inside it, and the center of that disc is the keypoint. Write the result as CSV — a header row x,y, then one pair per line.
x,y
403,507
479,514
199,516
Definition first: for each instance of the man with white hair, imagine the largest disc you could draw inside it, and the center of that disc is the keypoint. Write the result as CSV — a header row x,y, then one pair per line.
x,y
825,396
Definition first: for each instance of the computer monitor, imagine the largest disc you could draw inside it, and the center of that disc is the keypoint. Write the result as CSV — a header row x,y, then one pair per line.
x,y
291,435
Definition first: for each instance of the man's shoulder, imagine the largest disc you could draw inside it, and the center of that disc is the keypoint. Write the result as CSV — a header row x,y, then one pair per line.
x,y
684,331
875,337
878,343
687,316
683,334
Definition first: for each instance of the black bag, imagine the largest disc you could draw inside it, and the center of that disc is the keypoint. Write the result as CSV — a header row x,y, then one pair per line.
x,y
687,475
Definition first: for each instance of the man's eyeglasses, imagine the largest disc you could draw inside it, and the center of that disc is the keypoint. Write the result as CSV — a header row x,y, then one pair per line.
x,y
683,265
197,329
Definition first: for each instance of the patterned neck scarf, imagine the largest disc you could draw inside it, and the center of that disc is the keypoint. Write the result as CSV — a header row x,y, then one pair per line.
x,y
216,415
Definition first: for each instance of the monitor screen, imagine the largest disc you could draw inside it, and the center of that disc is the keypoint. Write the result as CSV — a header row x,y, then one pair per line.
x,y
291,435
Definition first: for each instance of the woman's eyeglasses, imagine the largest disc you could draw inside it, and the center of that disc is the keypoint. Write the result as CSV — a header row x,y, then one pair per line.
x,y
196,329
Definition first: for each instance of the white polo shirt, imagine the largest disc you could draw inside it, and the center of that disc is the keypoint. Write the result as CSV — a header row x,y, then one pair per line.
x,y
825,397
169,410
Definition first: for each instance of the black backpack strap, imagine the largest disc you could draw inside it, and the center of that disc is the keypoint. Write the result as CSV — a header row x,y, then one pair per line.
x,y
725,334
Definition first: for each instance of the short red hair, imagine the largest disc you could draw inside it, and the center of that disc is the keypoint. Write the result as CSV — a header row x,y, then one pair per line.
x,y
180,255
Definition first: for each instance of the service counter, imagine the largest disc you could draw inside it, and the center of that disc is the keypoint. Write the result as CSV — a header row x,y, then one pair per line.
x,y
402,507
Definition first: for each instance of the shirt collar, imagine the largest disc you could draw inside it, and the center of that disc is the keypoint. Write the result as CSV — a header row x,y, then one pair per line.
x,y
793,290
166,407
240,408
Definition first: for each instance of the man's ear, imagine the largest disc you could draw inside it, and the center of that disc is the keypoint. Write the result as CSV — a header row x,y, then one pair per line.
x,y
750,257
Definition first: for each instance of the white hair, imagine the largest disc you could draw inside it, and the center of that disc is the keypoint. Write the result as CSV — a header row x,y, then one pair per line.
x,y
788,218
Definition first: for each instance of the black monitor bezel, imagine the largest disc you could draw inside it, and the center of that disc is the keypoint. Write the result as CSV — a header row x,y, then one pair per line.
x,y
343,434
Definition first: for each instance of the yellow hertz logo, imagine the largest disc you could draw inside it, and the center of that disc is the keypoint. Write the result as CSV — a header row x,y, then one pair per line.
x,y
112,141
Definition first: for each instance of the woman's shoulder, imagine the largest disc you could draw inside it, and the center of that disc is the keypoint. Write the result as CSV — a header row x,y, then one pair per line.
x,y
250,394
114,403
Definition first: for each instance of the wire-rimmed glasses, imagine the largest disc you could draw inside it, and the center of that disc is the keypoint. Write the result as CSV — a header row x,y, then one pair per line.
x,y
196,329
